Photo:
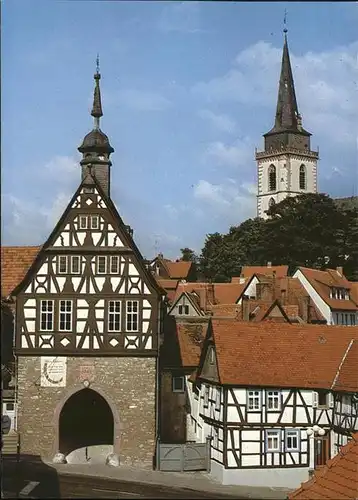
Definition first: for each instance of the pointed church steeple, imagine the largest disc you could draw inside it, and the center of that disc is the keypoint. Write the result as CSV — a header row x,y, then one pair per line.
x,y
95,147
286,109
288,121
287,166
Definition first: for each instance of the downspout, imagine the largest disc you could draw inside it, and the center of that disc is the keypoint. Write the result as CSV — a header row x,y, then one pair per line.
x,y
158,384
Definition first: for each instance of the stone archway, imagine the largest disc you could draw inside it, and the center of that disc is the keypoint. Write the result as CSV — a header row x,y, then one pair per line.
x,y
85,417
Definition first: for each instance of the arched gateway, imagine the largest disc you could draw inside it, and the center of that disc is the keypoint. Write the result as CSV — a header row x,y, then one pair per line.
x,y
85,418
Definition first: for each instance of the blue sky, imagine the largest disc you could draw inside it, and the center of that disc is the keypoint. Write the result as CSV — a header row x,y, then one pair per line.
x,y
188,89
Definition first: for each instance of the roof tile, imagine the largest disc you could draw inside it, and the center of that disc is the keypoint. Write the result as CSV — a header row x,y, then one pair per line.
x,y
282,355
338,479
15,262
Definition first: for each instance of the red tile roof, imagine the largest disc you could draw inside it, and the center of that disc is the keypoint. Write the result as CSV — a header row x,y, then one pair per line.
x,y
15,262
323,281
354,290
338,479
282,355
209,294
178,270
248,271
191,337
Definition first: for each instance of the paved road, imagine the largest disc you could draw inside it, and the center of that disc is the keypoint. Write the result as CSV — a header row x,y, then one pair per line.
x,y
43,483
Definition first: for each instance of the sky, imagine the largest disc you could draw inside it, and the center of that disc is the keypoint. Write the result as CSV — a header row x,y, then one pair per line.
x,y
188,90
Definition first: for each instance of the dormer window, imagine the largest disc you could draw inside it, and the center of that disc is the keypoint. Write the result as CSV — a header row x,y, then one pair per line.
x,y
339,293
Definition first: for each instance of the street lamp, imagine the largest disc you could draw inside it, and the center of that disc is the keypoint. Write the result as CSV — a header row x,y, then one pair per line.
x,y
315,430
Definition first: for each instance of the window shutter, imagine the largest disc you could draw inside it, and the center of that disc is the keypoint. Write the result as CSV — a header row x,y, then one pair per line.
x,y
314,399
331,400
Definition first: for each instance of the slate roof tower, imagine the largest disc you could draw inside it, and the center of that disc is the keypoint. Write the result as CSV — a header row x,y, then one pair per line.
x,y
95,147
287,166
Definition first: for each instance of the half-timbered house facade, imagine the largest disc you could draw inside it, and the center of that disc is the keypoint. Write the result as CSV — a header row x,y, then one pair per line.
x,y
270,397
88,326
332,294
180,354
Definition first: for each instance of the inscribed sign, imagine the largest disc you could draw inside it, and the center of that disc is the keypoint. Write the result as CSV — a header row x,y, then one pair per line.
x,y
53,371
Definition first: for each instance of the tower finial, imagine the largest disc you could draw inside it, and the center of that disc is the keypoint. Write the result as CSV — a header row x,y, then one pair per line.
x,y
285,23
97,105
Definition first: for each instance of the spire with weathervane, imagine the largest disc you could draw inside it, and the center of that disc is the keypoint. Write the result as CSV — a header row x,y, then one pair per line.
x,y
286,166
287,130
95,147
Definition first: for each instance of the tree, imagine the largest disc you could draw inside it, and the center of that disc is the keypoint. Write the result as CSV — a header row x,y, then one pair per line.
x,y
308,230
188,255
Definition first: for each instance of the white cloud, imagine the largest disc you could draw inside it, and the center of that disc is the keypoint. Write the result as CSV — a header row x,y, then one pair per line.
x,y
183,17
221,122
228,200
62,169
326,86
141,100
27,222
238,154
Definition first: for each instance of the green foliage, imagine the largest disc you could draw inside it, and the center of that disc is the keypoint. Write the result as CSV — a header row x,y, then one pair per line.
x,y
188,255
308,230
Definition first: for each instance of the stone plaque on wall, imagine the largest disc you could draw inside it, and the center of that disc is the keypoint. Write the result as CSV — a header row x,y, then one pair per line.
x,y
86,371
53,371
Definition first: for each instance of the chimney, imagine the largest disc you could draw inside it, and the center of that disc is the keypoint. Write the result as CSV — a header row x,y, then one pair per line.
x,y
210,293
284,290
245,308
305,308
160,256
339,270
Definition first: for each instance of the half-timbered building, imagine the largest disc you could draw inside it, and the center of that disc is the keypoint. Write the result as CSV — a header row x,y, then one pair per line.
x,y
333,295
180,354
88,326
270,398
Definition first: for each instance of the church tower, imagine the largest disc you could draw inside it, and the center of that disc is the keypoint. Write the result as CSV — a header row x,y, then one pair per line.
x,y
287,166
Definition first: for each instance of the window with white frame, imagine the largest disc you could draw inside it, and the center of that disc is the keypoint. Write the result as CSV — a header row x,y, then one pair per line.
x,y
183,309
65,323
132,315
217,398
273,400
292,440
83,221
101,264
178,384
253,400
75,264
215,435
114,264
47,310
114,316
273,440
206,395
94,222
62,264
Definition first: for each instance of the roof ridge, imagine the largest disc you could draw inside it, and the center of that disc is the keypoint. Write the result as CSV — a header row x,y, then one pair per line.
x,y
341,363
